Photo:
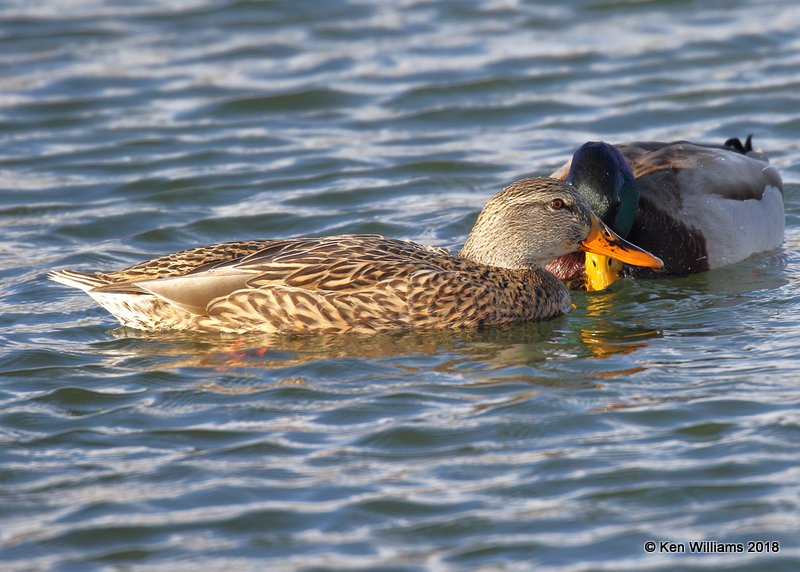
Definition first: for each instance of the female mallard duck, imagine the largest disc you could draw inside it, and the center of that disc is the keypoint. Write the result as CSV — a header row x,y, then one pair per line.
x,y
368,283
696,207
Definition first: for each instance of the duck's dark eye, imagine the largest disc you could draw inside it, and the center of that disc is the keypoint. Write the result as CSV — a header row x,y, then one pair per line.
x,y
556,204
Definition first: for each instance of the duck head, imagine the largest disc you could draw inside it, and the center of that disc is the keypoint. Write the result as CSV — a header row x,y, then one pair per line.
x,y
602,175
532,221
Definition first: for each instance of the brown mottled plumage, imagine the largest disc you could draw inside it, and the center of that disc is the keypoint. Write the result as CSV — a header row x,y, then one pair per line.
x,y
362,283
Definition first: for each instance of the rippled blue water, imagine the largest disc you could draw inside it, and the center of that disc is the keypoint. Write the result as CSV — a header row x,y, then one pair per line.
x,y
663,410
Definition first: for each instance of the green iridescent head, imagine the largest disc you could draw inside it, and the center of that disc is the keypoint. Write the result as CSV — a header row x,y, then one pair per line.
x,y
602,175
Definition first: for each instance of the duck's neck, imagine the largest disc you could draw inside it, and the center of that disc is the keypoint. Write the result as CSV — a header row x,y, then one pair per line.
x,y
500,255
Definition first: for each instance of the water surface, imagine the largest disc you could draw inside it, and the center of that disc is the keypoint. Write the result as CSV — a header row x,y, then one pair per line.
x,y
663,410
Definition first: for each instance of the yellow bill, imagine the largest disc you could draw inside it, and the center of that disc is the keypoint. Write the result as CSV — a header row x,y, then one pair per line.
x,y
601,271
605,251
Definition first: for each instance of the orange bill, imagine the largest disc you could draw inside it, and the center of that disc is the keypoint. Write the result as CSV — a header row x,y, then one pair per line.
x,y
603,241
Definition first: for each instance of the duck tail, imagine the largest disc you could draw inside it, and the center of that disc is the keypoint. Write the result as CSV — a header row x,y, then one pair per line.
x,y
75,279
736,144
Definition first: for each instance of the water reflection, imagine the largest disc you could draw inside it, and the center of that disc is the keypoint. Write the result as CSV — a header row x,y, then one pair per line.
x,y
501,346
605,337
595,333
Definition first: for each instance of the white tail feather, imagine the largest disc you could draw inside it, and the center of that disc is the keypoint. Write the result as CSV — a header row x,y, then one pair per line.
x,y
75,279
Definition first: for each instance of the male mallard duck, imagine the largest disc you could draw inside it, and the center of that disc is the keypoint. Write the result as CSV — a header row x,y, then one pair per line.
x,y
368,283
696,207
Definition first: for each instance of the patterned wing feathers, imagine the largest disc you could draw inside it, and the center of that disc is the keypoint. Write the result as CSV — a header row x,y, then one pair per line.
x,y
194,292
423,299
356,283
186,261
